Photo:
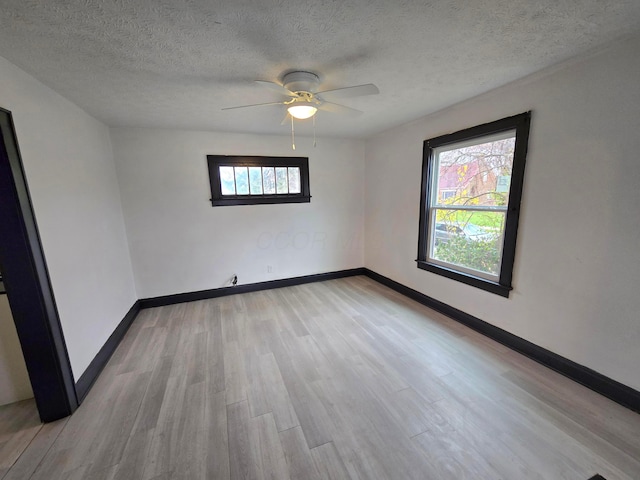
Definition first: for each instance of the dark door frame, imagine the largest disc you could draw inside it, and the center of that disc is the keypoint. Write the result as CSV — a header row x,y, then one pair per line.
x,y
28,286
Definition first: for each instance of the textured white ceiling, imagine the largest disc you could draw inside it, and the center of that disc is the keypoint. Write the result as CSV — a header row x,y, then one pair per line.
x,y
176,63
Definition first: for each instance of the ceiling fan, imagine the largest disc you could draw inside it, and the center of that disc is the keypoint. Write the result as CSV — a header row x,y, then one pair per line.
x,y
303,100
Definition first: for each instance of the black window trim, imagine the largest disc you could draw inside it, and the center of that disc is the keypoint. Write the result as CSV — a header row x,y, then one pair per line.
x,y
521,125
218,200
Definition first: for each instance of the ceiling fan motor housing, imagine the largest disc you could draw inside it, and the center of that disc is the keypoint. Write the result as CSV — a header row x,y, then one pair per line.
x,y
301,81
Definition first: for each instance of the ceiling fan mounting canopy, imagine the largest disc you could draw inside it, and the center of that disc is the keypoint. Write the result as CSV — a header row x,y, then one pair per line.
x,y
299,81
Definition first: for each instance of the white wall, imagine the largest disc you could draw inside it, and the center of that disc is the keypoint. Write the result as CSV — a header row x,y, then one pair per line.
x,y
14,380
180,243
577,269
69,167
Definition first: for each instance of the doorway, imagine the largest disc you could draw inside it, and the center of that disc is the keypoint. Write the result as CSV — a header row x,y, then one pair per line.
x,y
28,288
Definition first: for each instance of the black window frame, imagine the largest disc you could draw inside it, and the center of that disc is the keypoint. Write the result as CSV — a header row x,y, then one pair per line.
x,y
219,200
520,123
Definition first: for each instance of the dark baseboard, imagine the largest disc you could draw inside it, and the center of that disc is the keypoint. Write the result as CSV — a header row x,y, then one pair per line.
x,y
86,380
597,382
250,287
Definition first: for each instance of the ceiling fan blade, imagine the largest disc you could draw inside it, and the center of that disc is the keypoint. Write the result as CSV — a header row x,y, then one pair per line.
x,y
341,109
277,87
347,92
254,105
286,119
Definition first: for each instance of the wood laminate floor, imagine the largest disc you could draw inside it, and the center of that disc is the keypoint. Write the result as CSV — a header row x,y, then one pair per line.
x,y
19,424
343,379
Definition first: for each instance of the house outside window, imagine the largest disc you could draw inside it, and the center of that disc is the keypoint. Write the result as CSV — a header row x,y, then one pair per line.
x,y
472,185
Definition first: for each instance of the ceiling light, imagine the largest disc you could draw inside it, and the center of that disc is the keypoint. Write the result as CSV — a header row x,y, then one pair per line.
x,y
302,110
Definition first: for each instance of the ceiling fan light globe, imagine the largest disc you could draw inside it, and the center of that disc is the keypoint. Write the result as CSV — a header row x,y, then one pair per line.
x,y
302,111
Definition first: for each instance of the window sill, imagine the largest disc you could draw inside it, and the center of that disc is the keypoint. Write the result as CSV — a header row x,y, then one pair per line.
x,y
259,200
482,283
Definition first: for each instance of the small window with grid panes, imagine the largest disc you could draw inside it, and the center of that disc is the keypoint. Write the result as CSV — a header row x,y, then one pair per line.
x,y
252,180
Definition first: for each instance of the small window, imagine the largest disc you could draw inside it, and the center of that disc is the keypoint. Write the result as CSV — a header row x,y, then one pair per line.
x,y
447,195
471,190
237,180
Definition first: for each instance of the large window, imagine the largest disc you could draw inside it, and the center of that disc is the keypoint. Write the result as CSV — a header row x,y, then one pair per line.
x,y
237,180
470,205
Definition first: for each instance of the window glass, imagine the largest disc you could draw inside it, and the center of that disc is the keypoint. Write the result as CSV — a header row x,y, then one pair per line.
x,y
255,180
269,176
227,181
281,180
242,181
469,240
476,174
294,180
468,173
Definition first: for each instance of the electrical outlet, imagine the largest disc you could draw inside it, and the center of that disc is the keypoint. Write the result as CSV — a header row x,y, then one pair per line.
x,y
269,269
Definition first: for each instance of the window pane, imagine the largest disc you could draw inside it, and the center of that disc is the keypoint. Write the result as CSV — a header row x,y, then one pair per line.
x,y
281,180
269,179
294,180
227,183
475,174
242,181
472,240
255,180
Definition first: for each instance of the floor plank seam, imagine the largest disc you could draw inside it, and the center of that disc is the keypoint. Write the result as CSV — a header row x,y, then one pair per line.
x,y
41,459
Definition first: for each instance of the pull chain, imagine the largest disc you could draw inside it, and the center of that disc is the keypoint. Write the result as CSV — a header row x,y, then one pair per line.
x,y
314,131
293,135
